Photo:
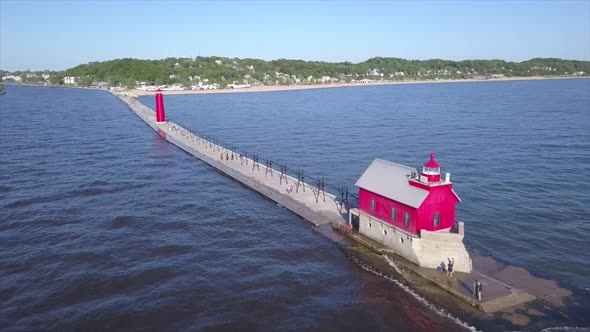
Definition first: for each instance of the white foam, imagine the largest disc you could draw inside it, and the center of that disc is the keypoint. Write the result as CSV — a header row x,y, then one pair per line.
x,y
440,312
394,265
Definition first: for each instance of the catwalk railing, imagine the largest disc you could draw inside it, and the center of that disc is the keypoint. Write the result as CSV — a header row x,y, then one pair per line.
x,y
228,151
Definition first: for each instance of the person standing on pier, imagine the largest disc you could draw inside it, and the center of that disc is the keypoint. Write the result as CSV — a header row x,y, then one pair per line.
x,y
443,266
450,267
479,289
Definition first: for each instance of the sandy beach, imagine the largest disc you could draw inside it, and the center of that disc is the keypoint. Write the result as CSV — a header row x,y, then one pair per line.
x,y
272,88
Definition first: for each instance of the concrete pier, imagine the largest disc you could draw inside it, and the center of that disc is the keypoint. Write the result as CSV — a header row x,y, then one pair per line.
x,y
305,200
320,209
497,296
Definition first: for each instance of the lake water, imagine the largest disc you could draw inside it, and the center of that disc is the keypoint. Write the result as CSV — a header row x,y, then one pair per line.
x,y
105,226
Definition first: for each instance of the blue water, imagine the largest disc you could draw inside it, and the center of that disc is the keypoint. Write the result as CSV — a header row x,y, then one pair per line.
x,y
105,226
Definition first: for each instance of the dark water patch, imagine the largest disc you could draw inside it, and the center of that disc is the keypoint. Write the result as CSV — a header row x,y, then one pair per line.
x,y
13,268
35,200
140,279
35,223
99,191
122,221
190,207
85,257
169,226
85,192
172,250
6,294
146,225
96,183
244,324
82,290
155,316
4,189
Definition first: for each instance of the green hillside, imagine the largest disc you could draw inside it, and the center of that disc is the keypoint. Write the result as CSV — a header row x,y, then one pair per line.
x,y
208,70
219,70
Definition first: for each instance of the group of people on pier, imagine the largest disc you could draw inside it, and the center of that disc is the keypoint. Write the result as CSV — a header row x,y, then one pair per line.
x,y
449,268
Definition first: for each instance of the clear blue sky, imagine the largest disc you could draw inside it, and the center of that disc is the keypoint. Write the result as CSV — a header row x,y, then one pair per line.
x,y
57,35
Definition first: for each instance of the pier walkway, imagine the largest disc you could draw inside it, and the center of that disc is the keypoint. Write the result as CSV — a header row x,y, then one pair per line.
x,y
316,206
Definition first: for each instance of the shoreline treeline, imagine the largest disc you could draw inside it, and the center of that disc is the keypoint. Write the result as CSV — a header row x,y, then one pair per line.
x,y
223,71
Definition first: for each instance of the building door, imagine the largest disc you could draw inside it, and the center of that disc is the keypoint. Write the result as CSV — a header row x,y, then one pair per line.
x,y
354,219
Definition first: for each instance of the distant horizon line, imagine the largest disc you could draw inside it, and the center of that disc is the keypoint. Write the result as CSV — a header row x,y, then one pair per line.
x,y
288,59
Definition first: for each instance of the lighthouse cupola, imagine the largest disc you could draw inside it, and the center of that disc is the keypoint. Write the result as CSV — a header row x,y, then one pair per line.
x,y
431,170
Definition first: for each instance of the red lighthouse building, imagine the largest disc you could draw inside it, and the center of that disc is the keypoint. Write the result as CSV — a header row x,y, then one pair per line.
x,y
411,212
398,195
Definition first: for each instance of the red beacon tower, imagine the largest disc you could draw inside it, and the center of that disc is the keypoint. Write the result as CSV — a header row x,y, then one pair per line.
x,y
160,114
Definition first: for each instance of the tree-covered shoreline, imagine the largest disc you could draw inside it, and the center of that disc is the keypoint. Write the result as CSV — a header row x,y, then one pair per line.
x,y
222,71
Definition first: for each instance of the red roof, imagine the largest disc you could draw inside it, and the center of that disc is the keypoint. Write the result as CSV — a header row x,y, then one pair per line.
x,y
431,163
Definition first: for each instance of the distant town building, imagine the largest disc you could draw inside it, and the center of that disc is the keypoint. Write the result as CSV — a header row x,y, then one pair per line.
x,y
374,72
237,86
69,80
200,86
12,78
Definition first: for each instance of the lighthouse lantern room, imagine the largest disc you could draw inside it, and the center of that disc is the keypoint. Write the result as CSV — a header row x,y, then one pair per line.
x,y
431,170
